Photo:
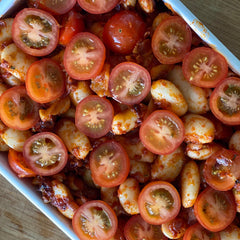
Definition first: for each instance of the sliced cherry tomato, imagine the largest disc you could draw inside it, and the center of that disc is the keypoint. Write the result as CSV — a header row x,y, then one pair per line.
x,y
56,7
98,6
71,25
171,40
94,116
159,202
45,81
18,164
84,56
162,132
129,83
45,153
224,101
197,232
137,229
18,110
204,67
215,210
35,31
109,164
221,169
122,31
95,220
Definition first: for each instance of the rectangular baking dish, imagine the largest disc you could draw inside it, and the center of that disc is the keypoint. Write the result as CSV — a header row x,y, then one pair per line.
x,y
25,186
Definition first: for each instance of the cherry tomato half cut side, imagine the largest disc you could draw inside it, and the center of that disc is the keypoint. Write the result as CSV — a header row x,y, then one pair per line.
x,y
84,56
35,31
18,110
95,220
129,83
159,202
45,153
162,132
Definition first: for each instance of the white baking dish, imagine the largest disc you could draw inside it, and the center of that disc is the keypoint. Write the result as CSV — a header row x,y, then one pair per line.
x,y
25,186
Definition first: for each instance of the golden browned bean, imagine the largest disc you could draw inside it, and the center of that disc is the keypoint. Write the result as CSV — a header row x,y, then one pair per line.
x,y
232,232
6,30
140,171
234,142
236,193
147,5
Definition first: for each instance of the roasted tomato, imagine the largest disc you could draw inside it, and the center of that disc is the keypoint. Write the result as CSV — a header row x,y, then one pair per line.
x,y
45,153
35,31
45,81
215,210
95,220
18,110
162,132
129,83
122,31
159,202
94,116
84,56
109,164
224,101
204,67
171,40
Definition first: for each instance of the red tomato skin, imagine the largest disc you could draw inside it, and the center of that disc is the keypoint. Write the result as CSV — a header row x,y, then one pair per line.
x,y
16,31
121,26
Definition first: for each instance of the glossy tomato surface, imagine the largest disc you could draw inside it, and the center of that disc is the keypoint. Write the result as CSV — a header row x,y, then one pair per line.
x,y
45,153
35,31
95,220
18,110
84,56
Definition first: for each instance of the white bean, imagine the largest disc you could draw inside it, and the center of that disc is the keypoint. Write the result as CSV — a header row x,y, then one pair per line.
x,y
190,184
236,193
3,146
141,171
6,30
234,142
128,193
128,3
147,5
232,232
167,96
9,78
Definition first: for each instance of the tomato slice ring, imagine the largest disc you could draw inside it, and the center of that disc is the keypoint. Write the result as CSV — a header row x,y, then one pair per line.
x,y
203,67
109,164
45,81
171,40
162,132
224,101
84,56
94,116
35,31
215,210
45,153
159,202
95,220
18,110
129,83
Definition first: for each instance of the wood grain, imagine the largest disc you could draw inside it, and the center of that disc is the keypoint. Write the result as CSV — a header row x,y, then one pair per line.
x,y
19,219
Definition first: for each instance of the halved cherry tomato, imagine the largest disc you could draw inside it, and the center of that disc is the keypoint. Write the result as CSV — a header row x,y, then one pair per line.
x,y
204,67
224,101
171,40
159,202
122,31
84,56
109,164
95,220
137,229
221,169
98,6
129,83
45,153
45,81
197,232
56,7
71,25
162,132
215,210
35,31
18,110
18,164
94,116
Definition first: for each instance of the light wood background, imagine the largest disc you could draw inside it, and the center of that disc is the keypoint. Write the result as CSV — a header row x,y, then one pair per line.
x,y
19,219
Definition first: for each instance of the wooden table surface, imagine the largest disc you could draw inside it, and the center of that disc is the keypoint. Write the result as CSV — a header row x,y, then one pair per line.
x,y
19,219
